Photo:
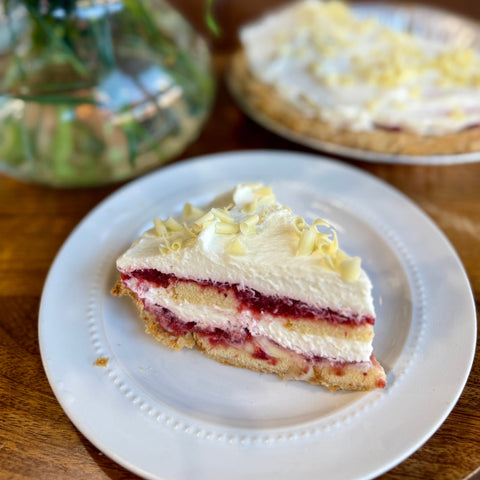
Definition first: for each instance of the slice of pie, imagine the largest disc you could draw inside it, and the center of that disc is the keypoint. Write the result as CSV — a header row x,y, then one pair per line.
x,y
331,72
254,286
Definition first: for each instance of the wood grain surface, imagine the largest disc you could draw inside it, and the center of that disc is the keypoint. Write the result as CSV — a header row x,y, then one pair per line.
x,y
38,441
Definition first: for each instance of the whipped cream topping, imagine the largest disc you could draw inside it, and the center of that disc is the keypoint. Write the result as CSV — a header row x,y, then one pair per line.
x,y
255,243
358,74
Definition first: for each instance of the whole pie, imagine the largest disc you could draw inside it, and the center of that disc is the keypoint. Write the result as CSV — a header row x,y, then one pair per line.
x,y
320,70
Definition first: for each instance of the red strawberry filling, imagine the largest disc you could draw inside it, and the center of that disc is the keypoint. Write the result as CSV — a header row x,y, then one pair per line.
x,y
252,300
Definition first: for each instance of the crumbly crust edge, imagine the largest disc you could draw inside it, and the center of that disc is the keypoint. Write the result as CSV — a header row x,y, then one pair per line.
x,y
152,327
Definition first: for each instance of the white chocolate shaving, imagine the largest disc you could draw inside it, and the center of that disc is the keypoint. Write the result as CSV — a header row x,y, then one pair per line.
x,y
263,191
350,269
333,247
247,227
172,225
176,244
222,215
190,233
306,243
203,221
160,228
190,211
252,220
236,247
226,228
266,199
299,223
322,243
319,222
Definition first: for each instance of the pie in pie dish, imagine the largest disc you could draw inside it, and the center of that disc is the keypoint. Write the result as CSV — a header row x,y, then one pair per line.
x,y
253,285
321,70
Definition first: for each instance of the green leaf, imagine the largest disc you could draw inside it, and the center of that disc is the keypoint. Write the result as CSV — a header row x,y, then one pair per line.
x,y
62,143
130,133
210,19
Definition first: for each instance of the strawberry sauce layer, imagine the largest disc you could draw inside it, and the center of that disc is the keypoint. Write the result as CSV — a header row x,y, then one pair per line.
x,y
257,302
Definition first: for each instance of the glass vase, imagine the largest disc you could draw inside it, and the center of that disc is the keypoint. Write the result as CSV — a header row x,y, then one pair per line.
x,y
97,91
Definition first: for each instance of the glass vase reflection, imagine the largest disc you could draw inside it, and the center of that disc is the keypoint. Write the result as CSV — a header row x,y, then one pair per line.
x,y
95,92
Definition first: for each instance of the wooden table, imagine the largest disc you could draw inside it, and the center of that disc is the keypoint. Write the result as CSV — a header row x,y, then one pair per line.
x,y
38,441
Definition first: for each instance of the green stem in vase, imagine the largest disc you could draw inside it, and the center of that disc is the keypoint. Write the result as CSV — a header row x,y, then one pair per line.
x,y
210,19
26,143
100,28
62,142
56,33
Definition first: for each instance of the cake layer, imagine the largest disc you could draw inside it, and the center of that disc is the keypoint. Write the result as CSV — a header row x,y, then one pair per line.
x,y
225,298
203,309
255,301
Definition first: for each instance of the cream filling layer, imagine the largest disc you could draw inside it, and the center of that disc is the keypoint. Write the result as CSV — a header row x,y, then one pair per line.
x,y
208,317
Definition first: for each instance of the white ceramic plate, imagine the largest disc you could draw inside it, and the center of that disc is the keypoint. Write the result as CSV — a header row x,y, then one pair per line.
x,y
179,415
424,21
